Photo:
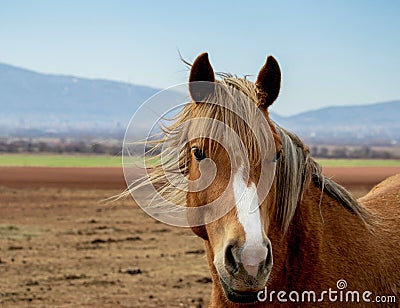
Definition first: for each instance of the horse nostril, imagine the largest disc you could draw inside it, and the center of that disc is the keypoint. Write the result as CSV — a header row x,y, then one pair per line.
x,y
268,259
230,261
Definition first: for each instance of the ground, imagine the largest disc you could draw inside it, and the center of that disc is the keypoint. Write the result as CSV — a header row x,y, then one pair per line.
x,y
61,245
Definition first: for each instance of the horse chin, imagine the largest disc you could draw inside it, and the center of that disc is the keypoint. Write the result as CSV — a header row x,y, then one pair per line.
x,y
243,289
235,296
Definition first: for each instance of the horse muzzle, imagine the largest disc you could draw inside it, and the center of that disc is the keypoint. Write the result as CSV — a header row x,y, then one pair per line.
x,y
244,271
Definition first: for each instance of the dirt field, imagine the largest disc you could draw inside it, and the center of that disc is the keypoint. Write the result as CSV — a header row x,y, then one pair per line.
x,y
60,246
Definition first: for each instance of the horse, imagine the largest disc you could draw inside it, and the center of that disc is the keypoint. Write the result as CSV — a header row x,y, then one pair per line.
x,y
309,241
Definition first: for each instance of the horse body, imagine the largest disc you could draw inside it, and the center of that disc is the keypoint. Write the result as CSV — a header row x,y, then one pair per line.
x,y
308,237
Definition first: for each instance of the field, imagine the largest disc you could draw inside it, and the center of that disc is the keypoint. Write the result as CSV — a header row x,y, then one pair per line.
x,y
64,248
54,160
359,162
69,160
61,245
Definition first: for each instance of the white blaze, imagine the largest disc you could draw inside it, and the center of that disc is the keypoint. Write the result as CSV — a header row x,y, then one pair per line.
x,y
248,212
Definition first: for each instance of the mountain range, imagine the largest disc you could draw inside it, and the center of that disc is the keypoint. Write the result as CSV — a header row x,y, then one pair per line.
x,y
377,123
36,104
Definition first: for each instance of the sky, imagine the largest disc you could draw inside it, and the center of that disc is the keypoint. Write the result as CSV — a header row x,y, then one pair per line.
x,y
330,52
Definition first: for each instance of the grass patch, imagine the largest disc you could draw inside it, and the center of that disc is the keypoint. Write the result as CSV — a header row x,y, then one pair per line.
x,y
359,162
59,160
70,160
14,232
7,231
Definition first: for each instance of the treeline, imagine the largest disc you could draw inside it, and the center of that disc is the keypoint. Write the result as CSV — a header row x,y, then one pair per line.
x,y
362,152
60,146
114,148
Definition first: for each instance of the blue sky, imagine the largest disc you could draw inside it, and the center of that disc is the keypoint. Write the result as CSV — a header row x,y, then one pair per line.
x,y
331,53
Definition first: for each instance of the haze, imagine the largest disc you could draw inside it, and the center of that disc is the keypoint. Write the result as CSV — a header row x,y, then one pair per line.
x,y
338,53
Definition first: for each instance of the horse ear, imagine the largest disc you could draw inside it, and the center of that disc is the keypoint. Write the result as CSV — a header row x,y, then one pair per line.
x,y
201,71
268,82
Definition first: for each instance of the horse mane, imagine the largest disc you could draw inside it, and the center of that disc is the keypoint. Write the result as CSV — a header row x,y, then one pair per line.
x,y
295,170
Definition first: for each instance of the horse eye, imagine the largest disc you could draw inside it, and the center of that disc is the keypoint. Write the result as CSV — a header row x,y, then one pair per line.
x,y
198,154
277,156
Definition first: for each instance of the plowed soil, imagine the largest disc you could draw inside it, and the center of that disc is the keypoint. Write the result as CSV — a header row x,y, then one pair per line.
x,y
61,245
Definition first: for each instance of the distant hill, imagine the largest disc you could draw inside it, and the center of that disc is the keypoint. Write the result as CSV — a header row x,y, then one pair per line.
x,y
373,122
34,104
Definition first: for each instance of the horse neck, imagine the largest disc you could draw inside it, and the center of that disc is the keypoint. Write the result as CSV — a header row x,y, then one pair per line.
x,y
311,252
297,250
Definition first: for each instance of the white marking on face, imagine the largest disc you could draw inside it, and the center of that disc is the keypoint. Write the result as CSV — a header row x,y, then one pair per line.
x,y
248,212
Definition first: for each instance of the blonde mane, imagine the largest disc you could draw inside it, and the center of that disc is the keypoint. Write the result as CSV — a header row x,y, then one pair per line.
x,y
295,170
